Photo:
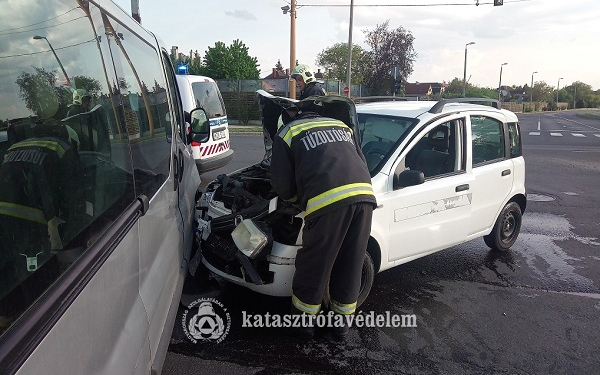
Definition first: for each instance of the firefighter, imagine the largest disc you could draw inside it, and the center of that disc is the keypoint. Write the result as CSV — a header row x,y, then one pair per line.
x,y
39,193
306,82
317,164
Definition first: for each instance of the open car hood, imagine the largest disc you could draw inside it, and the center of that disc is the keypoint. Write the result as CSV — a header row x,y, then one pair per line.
x,y
333,106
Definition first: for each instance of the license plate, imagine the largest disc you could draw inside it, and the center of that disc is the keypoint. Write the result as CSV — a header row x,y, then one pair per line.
x,y
219,135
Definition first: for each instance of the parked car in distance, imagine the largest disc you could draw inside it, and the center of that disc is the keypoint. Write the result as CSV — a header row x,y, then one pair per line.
x,y
210,146
443,172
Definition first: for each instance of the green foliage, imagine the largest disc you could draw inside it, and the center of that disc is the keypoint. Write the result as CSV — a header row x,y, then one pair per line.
x,y
335,61
40,93
389,48
233,62
91,85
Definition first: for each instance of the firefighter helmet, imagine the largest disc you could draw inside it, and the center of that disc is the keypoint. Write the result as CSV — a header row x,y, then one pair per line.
x,y
305,72
78,96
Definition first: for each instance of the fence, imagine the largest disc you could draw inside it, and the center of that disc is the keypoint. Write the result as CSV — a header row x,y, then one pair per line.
x,y
240,99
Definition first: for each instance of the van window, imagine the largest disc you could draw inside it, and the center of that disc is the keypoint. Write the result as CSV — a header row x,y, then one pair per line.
x,y
488,139
208,97
144,100
65,174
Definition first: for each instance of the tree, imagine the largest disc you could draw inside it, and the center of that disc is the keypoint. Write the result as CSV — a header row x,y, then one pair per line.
x,y
41,94
388,50
222,62
335,61
454,90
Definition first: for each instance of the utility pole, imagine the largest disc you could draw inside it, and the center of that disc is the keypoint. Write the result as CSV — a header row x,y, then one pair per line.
x,y
135,11
348,68
292,47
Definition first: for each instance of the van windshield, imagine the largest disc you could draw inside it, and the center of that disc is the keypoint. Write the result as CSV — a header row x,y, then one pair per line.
x,y
208,97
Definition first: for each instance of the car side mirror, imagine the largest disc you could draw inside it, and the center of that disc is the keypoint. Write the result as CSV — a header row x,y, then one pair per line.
x,y
199,124
408,177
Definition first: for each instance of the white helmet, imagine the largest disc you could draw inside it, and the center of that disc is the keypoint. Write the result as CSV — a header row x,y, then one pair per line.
x,y
78,96
305,72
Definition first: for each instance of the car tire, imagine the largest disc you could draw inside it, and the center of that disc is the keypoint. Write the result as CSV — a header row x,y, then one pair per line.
x,y
507,228
366,282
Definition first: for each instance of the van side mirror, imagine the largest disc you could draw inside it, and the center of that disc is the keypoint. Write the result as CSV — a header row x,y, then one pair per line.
x,y
407,177
200,125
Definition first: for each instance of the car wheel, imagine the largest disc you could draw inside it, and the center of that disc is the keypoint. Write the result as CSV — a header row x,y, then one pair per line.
x,y
507,228
366,282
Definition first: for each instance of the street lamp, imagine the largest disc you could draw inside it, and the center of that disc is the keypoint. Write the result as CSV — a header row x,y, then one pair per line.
x,y
557,88
37,37
531,97
500,83
292,10
349,62
465,71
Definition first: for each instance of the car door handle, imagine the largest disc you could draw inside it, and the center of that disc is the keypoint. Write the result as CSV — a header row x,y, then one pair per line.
x,y
505,172
462,187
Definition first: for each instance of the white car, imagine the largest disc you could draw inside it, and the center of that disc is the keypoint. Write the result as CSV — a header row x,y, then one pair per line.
x,y
443,173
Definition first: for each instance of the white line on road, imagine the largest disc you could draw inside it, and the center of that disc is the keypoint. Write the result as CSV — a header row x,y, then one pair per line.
x,y
556,134
597,135
538,133
577,135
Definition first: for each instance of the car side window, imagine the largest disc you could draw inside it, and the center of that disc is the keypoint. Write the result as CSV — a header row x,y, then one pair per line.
x,y
487,136
65,174
514,134
439,151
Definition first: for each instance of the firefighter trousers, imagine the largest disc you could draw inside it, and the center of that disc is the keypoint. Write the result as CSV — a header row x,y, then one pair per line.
x,y
333,249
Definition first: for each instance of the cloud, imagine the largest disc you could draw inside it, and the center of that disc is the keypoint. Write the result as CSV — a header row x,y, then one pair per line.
x,y
242,14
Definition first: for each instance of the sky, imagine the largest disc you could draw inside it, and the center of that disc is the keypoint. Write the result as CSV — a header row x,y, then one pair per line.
x,y
558,39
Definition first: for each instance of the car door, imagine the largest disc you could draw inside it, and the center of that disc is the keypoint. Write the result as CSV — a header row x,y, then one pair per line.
x,y
435,214
492,168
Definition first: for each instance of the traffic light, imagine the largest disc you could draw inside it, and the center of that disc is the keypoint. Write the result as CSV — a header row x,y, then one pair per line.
x,y
498,2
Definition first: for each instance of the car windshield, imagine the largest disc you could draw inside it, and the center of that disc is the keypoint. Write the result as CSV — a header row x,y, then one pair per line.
x,y
380,136
209,98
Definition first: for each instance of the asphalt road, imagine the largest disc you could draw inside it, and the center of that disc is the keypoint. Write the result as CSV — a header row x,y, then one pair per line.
x,y
532,310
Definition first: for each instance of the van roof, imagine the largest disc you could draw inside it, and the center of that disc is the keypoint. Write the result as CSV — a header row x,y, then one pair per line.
x,y
194,78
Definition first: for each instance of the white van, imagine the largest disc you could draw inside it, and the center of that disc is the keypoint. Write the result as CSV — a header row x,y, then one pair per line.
x,y
210,146
97,191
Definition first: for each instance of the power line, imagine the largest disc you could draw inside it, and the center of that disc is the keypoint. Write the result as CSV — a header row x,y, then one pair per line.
x,y
42,28
56,49
37,23
406,5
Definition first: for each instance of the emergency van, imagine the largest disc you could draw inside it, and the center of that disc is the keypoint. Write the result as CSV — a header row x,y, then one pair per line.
x,y
210,146
97,191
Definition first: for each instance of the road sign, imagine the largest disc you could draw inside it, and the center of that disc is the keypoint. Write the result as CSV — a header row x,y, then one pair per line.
x,y
346,90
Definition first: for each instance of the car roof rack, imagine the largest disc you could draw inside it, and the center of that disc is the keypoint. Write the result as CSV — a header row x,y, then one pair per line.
x,y
437,107
369,99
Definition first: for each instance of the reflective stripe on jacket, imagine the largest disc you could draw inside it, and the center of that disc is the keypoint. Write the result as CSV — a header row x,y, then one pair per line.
x,y
317,161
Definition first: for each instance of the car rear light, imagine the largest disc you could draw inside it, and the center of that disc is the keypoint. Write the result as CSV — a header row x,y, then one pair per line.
x,y
195,143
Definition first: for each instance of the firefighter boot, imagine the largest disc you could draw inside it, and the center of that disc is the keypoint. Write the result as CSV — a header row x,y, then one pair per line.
x,y
340,326
303,324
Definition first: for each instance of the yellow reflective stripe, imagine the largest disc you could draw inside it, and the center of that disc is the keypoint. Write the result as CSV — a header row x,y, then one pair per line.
x,y
51,145
294,130
343,308
337,194
23,212
305,307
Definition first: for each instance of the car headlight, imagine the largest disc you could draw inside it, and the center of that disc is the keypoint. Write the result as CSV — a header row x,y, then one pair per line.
x,y
248,238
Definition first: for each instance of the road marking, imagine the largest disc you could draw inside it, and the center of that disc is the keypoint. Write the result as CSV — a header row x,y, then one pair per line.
x,y
597,135
577,135
538,133
556,134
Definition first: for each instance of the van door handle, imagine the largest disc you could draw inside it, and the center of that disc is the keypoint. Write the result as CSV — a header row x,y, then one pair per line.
x,y
176,172
181,165
505,172
462,187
